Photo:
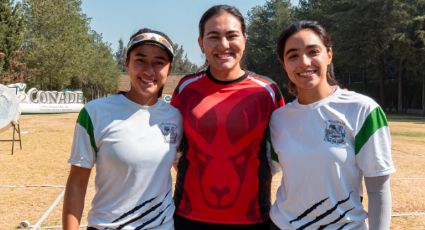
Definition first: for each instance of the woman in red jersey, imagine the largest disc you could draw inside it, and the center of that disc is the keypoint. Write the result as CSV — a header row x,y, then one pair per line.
x,y
224,177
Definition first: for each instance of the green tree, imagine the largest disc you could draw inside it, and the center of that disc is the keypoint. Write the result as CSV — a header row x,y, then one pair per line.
x,y
181,64
11,34
99,71
56,34
119,55
64,52
362,32
263,28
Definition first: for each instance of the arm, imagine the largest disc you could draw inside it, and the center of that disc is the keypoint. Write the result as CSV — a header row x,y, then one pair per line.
x,y
75,193
379,202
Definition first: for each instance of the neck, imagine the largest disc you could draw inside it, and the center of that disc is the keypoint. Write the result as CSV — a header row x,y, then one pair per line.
x,y
227,75
306,97
141,100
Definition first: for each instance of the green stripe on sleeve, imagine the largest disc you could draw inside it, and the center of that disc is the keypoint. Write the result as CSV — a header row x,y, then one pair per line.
x,y
85,121
273,153
373,122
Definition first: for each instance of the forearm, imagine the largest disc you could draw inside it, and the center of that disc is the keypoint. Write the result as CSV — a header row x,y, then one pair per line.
x,y
73,204
379,202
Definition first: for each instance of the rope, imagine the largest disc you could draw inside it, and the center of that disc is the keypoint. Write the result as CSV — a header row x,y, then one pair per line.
x,y
408,214
32,186
47,213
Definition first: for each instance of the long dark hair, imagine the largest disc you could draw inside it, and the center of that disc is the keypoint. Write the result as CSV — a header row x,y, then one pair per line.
x,y
320,32
217,9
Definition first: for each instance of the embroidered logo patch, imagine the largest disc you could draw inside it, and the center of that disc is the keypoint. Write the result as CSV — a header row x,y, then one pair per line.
x,y
335,132
169,130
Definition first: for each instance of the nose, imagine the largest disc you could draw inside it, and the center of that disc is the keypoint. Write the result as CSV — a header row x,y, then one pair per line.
x,y
224,43
305,60
148,70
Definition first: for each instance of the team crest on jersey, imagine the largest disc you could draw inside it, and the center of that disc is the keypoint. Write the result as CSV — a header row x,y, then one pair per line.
x,y
335,132
169,130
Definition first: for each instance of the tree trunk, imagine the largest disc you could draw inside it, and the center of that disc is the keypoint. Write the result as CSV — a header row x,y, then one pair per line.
x,y
382,89
400,91
423,94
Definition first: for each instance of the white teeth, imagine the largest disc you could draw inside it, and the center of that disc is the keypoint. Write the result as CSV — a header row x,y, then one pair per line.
x,y
223,55
147,81
307,73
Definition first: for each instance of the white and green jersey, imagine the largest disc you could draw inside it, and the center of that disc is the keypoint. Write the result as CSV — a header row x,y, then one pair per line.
x,y
133,148
325,149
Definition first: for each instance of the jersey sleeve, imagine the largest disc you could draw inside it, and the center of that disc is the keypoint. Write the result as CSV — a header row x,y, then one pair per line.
x,y
279,101
373,144
175,100
83,151
271,153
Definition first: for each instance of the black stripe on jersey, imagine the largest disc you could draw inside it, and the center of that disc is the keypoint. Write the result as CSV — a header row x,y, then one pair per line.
x,y
153,219
163,219
265,181
343,226
306,212
182,167
336,220
153,208
133,210
141,216
328,212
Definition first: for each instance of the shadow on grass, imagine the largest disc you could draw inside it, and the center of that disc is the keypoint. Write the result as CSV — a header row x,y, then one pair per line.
x,y
406,118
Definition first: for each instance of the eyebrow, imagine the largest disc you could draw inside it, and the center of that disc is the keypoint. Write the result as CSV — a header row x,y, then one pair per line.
x,y
218,33
308,47
157,57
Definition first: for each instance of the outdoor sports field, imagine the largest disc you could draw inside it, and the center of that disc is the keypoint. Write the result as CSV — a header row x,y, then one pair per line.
x,y
34,177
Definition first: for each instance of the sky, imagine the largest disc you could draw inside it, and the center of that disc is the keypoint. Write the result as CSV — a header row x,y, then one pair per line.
x,y
178,19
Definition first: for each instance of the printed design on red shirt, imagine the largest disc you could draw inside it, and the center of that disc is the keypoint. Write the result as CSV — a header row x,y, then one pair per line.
x,y
224,153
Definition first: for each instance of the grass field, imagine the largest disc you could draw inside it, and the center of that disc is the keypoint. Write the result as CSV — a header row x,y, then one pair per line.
x,y
32,178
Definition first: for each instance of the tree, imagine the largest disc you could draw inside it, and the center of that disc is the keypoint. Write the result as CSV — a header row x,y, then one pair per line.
x,y
181,64
56,34
264,26
11,33
120,55
64,52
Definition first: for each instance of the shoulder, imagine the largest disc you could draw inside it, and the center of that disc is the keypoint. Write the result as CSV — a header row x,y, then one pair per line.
x,y
103,103
357,100
261,78
190,79
285,111
269,85
167,108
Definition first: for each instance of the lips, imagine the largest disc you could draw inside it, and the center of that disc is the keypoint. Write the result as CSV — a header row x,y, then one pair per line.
x,y
148,81
307,73
224,56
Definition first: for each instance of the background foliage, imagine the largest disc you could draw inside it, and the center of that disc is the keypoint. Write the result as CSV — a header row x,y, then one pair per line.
x,y
49,44
379,45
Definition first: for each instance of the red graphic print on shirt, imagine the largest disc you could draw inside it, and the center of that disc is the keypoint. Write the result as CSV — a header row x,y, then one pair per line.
x,y
219,178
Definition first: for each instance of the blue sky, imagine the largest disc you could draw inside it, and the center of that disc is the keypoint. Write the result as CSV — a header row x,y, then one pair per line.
x,y
177,18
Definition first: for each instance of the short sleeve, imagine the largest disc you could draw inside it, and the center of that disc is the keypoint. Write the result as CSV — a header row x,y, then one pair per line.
x,y
373,145
83,151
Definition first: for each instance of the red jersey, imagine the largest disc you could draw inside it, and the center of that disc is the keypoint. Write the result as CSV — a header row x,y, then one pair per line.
x,y
223,175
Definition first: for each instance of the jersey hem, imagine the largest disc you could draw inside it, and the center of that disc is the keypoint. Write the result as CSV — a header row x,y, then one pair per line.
x,y
79,164
218,221
381,173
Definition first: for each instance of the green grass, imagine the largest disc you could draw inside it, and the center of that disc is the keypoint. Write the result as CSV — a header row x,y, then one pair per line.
x,y
408,134
407,118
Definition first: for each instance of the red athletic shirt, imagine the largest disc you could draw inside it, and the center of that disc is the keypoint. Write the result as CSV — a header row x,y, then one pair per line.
x,y
223,175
